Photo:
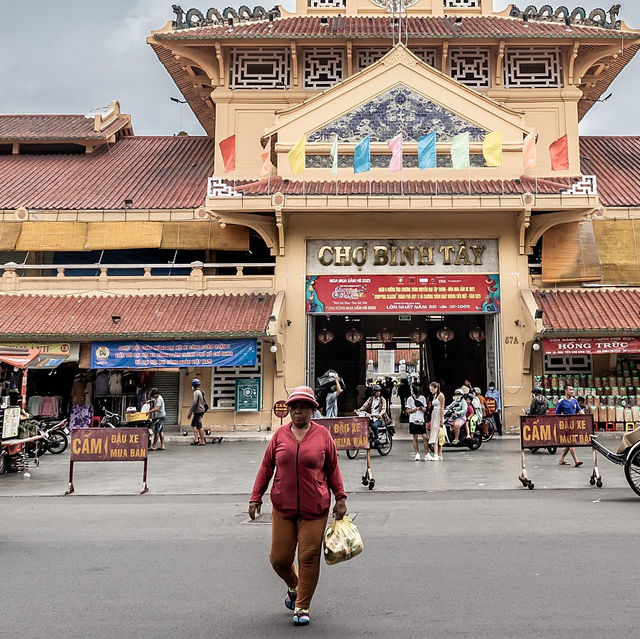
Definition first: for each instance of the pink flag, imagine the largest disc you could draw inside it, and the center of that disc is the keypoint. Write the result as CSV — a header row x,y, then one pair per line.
x,y
529,156
395,144
266,163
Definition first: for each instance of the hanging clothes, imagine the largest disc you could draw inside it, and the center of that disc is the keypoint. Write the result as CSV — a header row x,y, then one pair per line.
x,y
102,383
115,384
33,405
78,392
49,406
80,416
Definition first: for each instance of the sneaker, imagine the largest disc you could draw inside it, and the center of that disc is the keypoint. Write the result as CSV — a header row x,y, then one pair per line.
x,y
428,457
301,617
290,599
440,458
417,457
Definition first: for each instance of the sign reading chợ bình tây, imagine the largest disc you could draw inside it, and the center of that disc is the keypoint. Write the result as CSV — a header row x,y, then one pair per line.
x,y
107,445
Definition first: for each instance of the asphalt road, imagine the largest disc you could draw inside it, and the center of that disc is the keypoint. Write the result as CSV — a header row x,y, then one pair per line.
x,y
504,563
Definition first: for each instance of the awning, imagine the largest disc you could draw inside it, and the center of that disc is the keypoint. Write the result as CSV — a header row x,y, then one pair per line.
x,y
18,357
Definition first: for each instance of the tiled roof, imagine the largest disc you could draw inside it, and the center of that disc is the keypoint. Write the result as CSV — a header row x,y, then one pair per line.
x,y
142,316
363,27
154,172
592,311
616,162
407,187
33,128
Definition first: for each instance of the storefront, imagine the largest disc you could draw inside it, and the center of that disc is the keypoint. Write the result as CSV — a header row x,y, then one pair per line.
x,y
440,297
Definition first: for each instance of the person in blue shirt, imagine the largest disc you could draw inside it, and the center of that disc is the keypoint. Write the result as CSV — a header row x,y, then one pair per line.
x,y
569,405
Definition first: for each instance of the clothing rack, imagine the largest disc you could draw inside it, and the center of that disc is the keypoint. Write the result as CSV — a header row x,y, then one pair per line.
x,y
116,403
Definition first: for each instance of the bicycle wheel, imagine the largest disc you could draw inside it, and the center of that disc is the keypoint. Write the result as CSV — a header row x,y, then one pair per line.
x,y
352,454
632,469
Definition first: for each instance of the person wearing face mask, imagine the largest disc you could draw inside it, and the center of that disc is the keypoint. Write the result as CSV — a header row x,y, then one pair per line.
x,y
493,393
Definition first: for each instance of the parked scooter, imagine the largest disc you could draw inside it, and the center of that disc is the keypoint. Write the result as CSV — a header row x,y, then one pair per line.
x,y
385,438
55,436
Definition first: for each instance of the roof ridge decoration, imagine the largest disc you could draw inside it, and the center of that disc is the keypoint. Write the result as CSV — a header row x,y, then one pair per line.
x,y
596,18
196,18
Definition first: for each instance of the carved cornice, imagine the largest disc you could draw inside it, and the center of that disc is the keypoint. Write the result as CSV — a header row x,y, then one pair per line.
x,y
196,18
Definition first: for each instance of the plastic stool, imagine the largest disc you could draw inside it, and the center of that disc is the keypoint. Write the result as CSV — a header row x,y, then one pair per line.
x,y
610,426
95,422
629,426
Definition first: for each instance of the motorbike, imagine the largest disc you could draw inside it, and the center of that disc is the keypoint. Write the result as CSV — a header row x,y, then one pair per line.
x,y
473,441
55,436
385,438
488,428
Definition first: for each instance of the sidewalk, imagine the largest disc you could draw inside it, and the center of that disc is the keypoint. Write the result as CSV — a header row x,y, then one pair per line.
x,y
230,468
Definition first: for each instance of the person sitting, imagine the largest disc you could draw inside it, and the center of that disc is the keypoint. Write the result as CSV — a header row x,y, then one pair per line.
x,y
459,409
376,406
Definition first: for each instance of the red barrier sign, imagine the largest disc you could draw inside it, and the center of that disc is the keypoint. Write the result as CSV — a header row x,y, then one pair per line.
x,y
281,409
543,431
349,433
109,444
590,345
403,294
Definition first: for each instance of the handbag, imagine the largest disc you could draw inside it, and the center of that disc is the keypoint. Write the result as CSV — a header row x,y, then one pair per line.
x,y
342,541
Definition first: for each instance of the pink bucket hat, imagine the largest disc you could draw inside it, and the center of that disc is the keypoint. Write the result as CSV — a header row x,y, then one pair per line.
x,y
302,394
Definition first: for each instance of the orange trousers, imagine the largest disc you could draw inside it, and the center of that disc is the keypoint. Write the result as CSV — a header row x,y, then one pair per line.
x,y
307,535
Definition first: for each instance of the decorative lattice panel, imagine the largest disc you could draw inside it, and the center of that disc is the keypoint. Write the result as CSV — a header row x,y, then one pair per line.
x,y
426,55
567,364
259,69
223,381
470,66
319,4
530,67
323,68
461,4
366,57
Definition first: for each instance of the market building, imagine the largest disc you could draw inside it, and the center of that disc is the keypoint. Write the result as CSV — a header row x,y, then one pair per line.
x,y
471,274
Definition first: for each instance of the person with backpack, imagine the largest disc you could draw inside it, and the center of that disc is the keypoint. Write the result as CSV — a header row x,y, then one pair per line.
x,y
198,409
539,404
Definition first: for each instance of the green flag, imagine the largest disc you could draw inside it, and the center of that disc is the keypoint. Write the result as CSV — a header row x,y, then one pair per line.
x,y
334,156
460,151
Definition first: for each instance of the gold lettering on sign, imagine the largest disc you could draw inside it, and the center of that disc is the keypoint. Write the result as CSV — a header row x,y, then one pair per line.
x,y
426,256
393,252
380,255
343,255
360,255
478,252
325,261
463,256
446,250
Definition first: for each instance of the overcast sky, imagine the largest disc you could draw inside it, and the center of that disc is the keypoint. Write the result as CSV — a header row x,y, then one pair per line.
x,y
68,56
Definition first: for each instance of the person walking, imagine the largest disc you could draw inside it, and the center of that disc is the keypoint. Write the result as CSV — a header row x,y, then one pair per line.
x,y
332,398
305,460
417,407
197,410
404,392
158,414
437,422
493,393
568,405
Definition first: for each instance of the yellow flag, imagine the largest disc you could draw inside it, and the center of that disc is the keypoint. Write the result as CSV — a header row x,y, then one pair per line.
x,y
296,156
492,149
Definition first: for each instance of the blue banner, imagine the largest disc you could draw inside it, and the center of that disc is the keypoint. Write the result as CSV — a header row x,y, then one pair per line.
x,y
196,353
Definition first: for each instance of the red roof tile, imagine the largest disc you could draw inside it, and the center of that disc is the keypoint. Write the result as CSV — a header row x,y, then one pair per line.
x,y
153,172
362,27
142,317
593,311
408,187
32,128
616,162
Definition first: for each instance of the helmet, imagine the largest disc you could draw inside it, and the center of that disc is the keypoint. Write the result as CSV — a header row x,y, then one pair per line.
x,y
195,382
537,391
155,391
376,387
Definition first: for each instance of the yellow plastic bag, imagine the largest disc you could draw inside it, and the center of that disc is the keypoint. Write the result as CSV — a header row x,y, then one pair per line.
x,y
342,541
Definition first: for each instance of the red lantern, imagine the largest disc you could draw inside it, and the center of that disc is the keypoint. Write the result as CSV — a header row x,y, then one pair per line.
x,y
385,336
445,335
325,336
418,336
477,334
354,336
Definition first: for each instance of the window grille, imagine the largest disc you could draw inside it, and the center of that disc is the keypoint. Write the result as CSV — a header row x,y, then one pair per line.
x,y
223,381
461,4
319,4
426,55
366,57
530,68
470,66
259,69
322,68
567,364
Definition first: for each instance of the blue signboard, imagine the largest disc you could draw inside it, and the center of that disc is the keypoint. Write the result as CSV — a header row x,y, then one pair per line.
x,y
196,353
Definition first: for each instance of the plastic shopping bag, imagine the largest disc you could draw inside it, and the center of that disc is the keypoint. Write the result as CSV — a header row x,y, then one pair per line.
x,y
342,541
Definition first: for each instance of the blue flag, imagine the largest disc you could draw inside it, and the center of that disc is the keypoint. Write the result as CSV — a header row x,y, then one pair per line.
x,y
362,156
427,156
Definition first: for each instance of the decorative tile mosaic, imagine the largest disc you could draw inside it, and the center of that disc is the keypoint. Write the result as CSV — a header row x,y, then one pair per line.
x,y
345,161
399,109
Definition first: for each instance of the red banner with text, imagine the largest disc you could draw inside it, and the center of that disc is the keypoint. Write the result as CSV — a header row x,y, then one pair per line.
x,y
590,345
403,294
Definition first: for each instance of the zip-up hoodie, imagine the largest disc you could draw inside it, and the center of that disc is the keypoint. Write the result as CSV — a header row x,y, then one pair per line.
x,y
305,473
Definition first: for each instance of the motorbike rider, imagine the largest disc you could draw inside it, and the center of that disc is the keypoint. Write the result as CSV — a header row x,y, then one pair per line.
x,y
376,406
539,404
459,409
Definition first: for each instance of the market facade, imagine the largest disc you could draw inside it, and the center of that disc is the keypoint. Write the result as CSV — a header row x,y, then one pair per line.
x,y
458,270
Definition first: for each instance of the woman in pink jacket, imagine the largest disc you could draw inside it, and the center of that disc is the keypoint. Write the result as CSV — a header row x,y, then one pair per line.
x,y
304,457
